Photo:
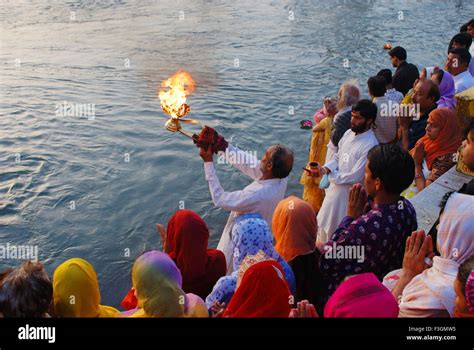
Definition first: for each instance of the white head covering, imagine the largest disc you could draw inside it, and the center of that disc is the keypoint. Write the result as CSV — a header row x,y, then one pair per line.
x,y
429,71
434,288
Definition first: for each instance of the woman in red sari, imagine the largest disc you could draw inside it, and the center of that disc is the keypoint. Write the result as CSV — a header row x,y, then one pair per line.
x,y
263,292
186,241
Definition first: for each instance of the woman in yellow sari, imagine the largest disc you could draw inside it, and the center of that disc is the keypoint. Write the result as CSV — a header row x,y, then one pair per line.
x,y
319,146
157,283
76,291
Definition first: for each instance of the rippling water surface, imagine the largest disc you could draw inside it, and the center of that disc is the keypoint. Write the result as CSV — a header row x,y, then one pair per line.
x,y
114,54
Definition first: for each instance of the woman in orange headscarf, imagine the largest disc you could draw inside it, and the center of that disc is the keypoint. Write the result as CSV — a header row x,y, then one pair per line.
x,y
294,227
435,153
186,243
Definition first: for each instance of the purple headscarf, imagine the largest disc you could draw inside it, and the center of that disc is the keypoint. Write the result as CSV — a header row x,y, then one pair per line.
x,y
447,91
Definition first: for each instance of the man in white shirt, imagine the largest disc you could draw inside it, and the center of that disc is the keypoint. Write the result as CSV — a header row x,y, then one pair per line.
x,y
463,41
261,196
457,65
347,168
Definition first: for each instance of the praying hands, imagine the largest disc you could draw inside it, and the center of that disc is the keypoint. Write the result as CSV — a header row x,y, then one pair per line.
x,y
357,201
304,310
419,246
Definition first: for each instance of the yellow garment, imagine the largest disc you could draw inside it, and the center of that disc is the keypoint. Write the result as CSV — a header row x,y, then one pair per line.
x,y
76,291
157,282
319,146
465,105
195,308
408,98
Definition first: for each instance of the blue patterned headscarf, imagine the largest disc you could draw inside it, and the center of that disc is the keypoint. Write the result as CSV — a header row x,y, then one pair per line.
x,y
250,234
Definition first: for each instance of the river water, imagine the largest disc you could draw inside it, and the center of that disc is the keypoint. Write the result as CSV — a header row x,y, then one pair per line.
x,y
93,187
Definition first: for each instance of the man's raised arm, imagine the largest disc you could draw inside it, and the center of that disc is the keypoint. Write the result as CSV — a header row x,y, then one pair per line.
x,y
246,162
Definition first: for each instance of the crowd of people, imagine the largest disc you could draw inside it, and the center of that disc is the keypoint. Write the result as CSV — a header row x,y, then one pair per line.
x,y
350,247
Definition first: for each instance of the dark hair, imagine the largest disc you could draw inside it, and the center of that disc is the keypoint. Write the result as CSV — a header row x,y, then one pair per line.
x,y
398,52
463,39
463,54
434,90
393,165
464,271
377,86
469,128
367,109
470,24
281,167
26,291
387,74
463,28
439,75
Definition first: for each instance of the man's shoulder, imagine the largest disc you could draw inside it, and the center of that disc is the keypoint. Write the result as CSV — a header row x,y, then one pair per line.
x,y
469,79
264,185
345,136
344,117
410,67
371,139
348,112
407,206
404,210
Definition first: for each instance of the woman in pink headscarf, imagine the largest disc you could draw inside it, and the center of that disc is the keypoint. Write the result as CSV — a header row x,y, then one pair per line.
x,y
359,296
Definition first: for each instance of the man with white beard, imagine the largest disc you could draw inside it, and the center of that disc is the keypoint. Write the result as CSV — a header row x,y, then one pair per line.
x,y
347,96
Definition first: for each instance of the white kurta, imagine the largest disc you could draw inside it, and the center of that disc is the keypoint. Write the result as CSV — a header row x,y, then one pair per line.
x,y
347,168
463,81
261,196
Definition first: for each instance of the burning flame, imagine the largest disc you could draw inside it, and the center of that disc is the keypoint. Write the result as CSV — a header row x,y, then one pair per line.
x,y
173,99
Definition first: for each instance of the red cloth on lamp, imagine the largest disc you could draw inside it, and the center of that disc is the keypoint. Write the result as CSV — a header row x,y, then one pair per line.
x,y
208,137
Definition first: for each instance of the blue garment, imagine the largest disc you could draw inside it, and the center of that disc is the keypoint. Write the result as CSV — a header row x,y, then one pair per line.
x,y
250,234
